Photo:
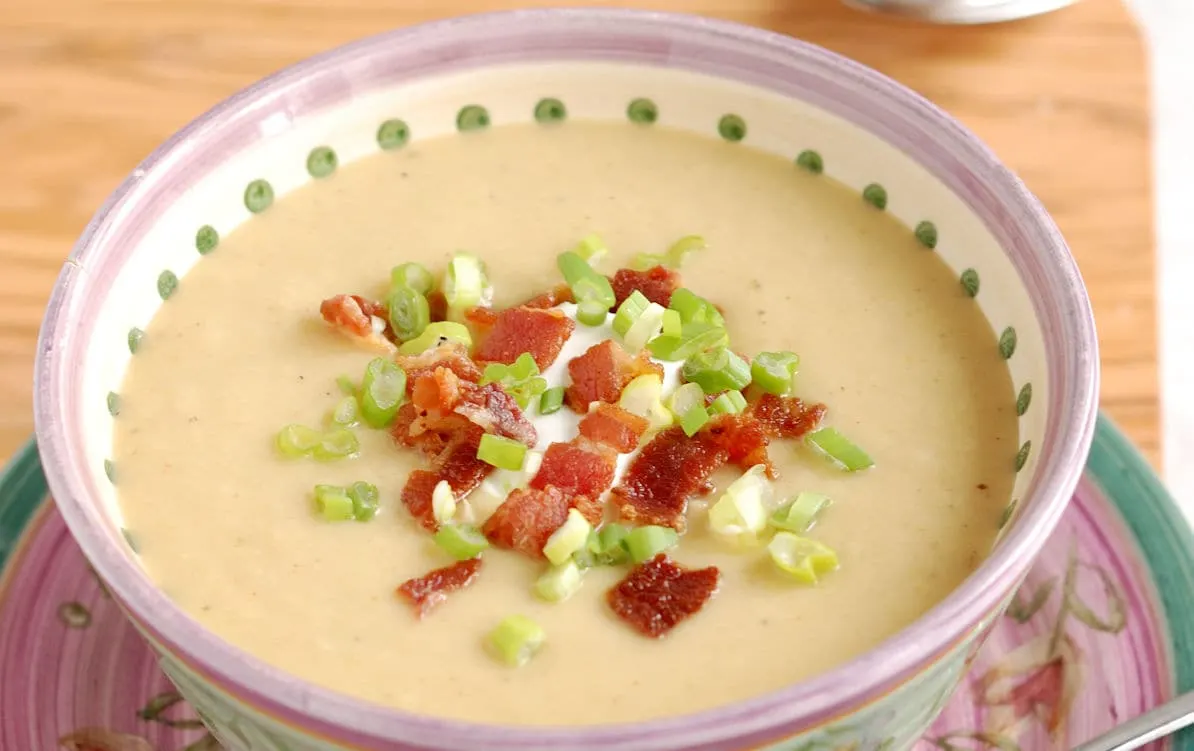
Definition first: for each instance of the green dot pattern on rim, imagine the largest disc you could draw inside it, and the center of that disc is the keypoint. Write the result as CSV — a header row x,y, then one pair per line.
x,y
113,403
206,239
926,233
1024,399
259,196
321,162
810,160
393,134
1007,343
1008,512
1022,455
642,111
135,337
550,110
732,128
876,195
472,117
969,280
110,470
167,284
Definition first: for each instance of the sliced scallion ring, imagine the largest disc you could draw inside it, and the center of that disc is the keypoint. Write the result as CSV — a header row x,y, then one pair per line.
x,y
413,276
501,452
560,582
629,311
801,513
461,541
682,248
516,640
464,284
435,334
773,371
569,538
742,510
333,503
644,543
409,312
383,389
337,443
294,441
839,449
364,497
717,370
803,559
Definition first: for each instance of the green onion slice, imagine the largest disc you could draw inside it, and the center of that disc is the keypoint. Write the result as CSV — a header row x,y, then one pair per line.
x,y
695,309
346,385
644,543
644,261
684,247
464,283
338,443
516,640
840,449
552,400
586,283
694,338
645,328
694,419
629,311
803,559
409,312
569,538
294,441
592,312
610,545
383,389
435,334
742,510
519,379
643,396
501,452
673,325
461,541
560,582
685,397
364,497
413,276
443,502
773,371
345,412
717,370
333,503
591,249
728,403
800,514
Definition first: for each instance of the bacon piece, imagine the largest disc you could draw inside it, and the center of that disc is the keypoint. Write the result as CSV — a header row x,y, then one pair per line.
x,y
613,426
480,321
657,284
526,519
517,330
429,590
669,469
497,412
450,355
786,416
579,467
600,374
437,306
657,595
359,319
744,439
456,462
561,293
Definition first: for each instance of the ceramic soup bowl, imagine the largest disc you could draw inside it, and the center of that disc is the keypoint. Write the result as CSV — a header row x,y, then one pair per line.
x,y
823,112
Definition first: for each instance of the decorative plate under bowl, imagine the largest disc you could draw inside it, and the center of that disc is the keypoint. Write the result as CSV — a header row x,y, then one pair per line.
x,y
1102,630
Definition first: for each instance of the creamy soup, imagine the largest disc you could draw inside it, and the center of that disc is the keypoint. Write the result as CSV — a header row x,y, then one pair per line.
x,y
888,340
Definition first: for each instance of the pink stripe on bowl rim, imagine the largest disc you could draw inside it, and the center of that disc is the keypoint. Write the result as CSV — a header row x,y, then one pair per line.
x,y
753,56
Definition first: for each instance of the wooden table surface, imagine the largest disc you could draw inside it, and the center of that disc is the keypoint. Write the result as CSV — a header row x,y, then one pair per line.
x,y
90,87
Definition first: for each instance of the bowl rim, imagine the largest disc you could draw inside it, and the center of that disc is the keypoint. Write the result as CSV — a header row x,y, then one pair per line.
x,y
1066,319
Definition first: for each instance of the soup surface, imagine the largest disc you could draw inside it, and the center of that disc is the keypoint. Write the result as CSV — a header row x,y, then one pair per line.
x,y
904,360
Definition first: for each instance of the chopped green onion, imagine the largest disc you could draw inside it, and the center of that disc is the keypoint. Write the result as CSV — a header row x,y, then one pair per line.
x,y
443,502
524,367
643,397
586,283
345,412
338,443
629,311
717,370
728,403
773,371
644,543
695,309
464,283
585,558
839,448
560,582
436,334
346,385
682,248
383,389
591,249
742,509
333,503
644,261
803,559
592,312
694,419
364,497
685,397
297,440
574,267
409,312
412,276
461,541
569,538
673,325
645,328
694,338
801,513
611,544
505,453
515,640
518,379
552,400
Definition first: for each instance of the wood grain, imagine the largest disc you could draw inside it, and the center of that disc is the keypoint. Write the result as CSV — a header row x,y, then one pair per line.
x,y
88,88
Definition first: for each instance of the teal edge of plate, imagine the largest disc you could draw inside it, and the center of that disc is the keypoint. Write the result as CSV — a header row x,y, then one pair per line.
x,y
1162,533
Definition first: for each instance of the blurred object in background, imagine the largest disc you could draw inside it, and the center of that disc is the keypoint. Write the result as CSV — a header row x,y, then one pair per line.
x,y
962,11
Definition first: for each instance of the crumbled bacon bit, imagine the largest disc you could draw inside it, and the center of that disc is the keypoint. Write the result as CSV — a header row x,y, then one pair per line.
x,y
669,469
657,284
535,330
579,467
450,355
456,462
526,519
657,595
416,496
786,416
437,305
559,294
429,590
480,321
744,438
600,374
497,412
353,315
440,391
613,426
